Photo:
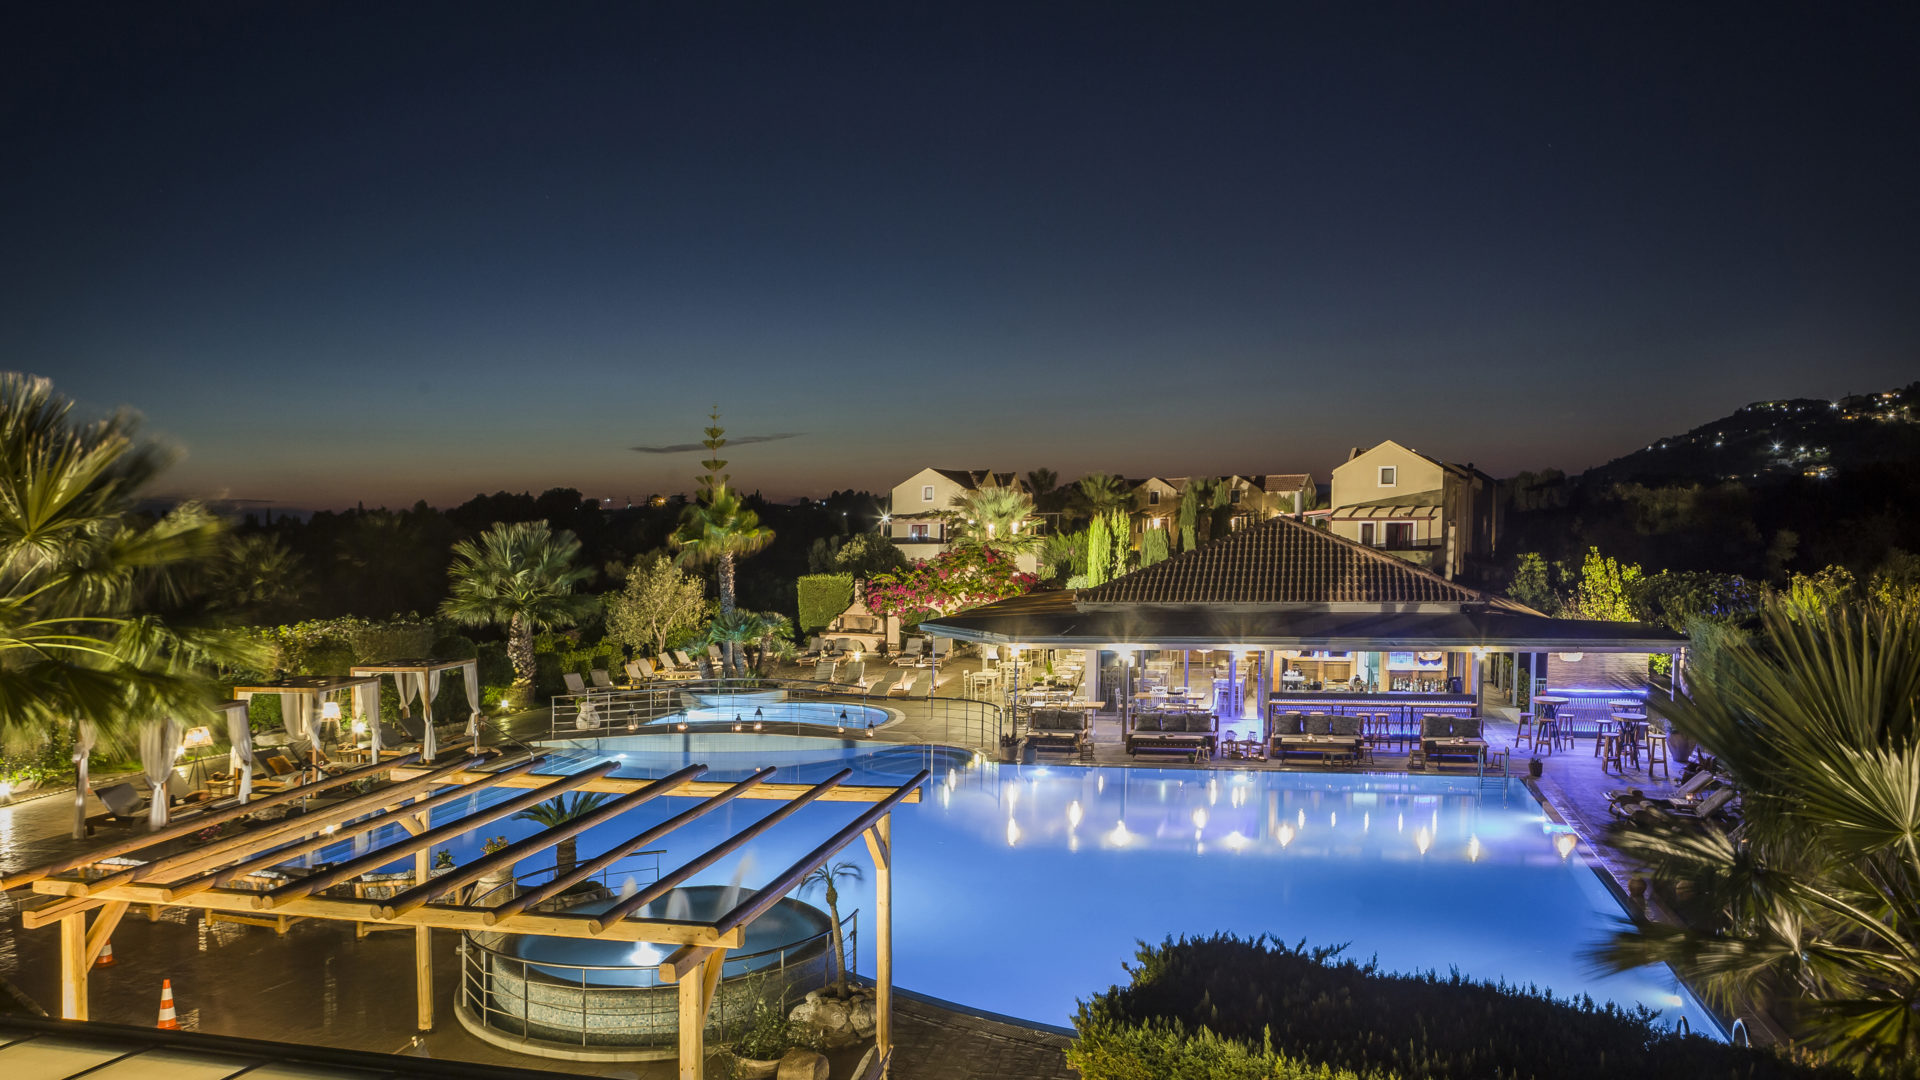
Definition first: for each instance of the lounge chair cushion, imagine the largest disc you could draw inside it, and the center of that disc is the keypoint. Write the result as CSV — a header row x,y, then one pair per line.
x,y
1435,726
1148,722
1319,725
1288,724
1466,727
1345,725
1200,723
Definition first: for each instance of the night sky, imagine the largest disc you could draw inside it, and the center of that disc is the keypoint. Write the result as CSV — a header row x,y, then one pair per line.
x,y
385,252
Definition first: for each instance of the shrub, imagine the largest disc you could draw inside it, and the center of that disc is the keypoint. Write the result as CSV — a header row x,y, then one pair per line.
x,y
1318,1008
1167,1051
822,598
556,653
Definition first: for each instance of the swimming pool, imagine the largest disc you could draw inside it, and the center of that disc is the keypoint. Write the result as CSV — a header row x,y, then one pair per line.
x,y
1019,889
747,707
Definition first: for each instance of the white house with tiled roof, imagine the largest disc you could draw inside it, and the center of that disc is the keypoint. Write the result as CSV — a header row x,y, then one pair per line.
x,y
1432,513
917,514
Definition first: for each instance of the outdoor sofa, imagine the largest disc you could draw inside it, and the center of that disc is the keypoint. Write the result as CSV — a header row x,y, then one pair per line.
x,y
1330,738
1058,729
1452,740
1176,732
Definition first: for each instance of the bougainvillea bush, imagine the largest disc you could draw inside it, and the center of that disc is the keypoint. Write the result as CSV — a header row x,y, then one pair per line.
x,y
954,581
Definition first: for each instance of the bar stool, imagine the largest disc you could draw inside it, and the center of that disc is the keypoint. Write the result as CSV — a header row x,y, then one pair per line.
x,y
1657,752
1524,733
1602,731
1383,728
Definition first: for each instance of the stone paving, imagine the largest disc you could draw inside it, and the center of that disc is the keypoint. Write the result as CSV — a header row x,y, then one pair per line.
x,y
319,984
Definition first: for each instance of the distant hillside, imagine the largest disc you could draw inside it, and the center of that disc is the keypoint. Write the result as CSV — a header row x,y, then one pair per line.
x,y
1776,440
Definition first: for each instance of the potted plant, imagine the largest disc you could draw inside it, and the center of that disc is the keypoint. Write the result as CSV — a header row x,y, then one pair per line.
x,y
1535,766
767,1038
442,861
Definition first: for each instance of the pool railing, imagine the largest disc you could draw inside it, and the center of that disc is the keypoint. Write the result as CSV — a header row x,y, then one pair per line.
x,y
629,710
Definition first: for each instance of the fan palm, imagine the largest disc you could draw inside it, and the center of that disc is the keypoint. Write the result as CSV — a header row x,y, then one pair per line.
x,y
92,594
1000,518
1103,492
558,811
716,530
1816,907
521,575
256,576
829,877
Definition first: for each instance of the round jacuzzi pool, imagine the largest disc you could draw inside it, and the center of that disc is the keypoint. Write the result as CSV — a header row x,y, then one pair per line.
x,y
773,707
564,997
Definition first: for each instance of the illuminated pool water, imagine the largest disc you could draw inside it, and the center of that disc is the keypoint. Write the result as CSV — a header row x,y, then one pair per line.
x,y
1020,889
772,706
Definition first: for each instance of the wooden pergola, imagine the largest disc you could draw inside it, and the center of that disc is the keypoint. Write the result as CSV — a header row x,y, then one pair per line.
x,y
205,876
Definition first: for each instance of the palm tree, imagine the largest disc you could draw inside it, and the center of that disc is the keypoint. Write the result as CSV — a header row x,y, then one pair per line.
x,y
718,528
1000,518
1814,906
558,811
1044,485
257,576
522,575
1103,492
93,595
829,877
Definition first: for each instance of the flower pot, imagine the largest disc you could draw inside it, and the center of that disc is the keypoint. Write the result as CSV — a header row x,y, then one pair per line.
x,y
754,1068
1535,767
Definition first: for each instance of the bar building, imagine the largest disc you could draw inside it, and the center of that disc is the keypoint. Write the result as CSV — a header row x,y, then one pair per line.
x,y
1283,615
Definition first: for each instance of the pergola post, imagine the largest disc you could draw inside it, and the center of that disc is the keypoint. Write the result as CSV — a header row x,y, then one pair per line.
x,y
73,966
880,845
422,935
696,990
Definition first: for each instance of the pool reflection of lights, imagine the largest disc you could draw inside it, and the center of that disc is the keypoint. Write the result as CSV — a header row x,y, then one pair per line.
x,y
1074,814
1120,836
1199,819
1013,832
1565,843
645,954
1285,834
1423,840
1236,842
1473,849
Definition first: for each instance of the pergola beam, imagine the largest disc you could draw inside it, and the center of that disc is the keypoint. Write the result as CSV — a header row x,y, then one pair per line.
x,y
620,785
200,821
227,874
374,860
429,888
700,862
437,916
583,871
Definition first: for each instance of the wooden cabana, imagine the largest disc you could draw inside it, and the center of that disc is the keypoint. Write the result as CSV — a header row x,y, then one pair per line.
x,y
302,698
420,677
150,869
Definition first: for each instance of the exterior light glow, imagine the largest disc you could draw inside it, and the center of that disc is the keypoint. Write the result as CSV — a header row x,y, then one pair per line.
x,y
330,710
760,724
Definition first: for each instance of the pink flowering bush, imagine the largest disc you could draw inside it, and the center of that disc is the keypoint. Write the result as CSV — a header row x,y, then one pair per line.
x,y
954,581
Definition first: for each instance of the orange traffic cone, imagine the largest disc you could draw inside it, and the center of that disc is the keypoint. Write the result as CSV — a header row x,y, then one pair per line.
x,y
106,957
167,1019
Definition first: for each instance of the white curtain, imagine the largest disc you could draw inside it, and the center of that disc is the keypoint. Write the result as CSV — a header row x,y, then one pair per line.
x,y
159,746
472,672
366,706
429,744
296,717
84,738
240,757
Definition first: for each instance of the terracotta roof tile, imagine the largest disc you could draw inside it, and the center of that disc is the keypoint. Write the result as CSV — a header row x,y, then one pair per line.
x,y
1281,561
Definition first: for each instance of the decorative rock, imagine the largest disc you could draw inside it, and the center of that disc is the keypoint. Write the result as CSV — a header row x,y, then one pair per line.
x,y
755,1069
838,1022
803,1065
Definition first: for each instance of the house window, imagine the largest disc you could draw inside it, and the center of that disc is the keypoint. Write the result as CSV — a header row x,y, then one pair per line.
x,y
1153,498
1366,533
1157,522
1399,535
916,532
1234,498
1389,475
926,493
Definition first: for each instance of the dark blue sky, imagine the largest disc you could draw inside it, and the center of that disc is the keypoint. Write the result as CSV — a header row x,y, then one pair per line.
x,y
384,252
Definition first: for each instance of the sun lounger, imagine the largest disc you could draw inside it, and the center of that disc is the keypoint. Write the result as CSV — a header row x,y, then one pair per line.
x,y
883,682
1689,790
640,670
912,652
1708,808
855,675
575,684
823,671
909,687
714,654
601,680
124,803
681,658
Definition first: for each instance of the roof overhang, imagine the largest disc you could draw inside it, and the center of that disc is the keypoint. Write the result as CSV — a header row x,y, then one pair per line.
x,y
1053,620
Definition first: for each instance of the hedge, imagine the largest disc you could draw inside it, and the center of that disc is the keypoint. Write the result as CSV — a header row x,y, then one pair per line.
x,y
822,598
1318,1008
1167,1051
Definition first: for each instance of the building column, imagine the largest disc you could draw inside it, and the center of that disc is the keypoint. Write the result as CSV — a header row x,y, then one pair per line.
x,y
1090,673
